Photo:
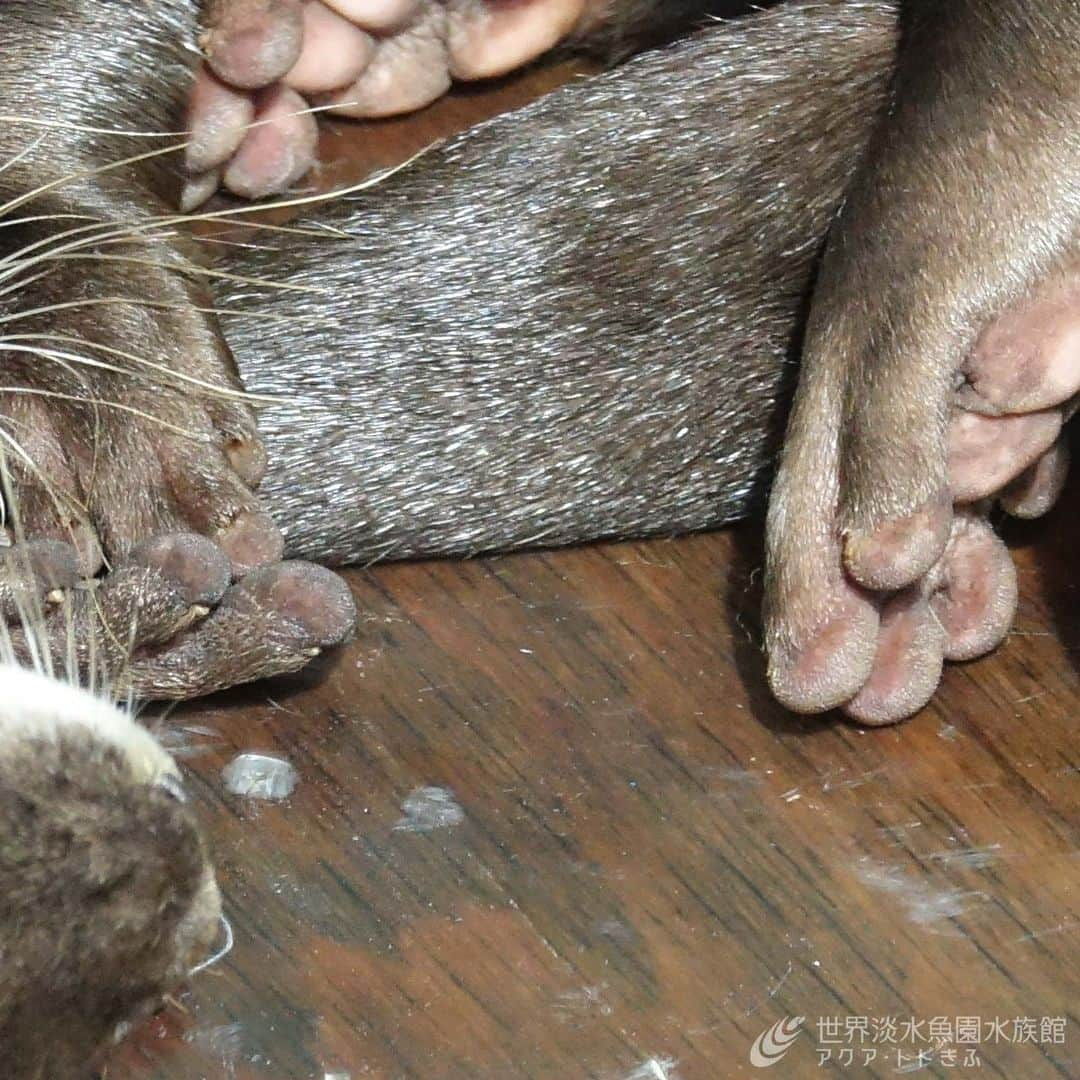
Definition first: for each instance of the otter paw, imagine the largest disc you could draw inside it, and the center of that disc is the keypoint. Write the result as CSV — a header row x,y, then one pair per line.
x,y
122,415
881,563
166,622
272,622
267,61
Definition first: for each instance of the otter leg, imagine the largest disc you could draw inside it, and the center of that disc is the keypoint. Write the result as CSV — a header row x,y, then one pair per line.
x,y
121,413
940,359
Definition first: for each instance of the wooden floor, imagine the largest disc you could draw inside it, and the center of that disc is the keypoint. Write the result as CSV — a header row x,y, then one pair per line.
x,y
549,824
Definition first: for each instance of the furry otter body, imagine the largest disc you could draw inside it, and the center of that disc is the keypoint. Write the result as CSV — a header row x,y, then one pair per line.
x,y
561,327
550,360
584,398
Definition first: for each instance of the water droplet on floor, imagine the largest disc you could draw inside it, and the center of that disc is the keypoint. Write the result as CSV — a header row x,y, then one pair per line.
x,y
260,776
429,808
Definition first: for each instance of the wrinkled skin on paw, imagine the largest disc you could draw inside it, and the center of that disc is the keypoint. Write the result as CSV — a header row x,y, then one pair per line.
x,y
268,61
941,360
169,622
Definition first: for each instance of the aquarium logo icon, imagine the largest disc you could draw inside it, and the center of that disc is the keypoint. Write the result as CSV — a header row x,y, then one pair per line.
x,y
773,1043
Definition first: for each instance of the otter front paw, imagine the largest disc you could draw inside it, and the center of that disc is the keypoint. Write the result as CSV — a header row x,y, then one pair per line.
x,y
268,61
939,366
121,414
882,564
121,419
167,622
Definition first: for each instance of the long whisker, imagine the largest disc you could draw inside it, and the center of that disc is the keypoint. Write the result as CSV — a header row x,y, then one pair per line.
x,y
238,214
131,301
85,174
319,197
28,149
224,242
232,214
11,341
85,234
131,231
172,148
86,129
21,265
11,345
35,254
17,449
317,229
7,223
167,373
104,403
170,374
197,271
24,283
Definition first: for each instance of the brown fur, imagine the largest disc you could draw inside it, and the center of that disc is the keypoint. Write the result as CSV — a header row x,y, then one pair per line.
x,y
96,875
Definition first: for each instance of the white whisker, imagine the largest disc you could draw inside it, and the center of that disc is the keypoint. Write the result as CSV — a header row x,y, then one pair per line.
x,y
7,223
223,242
28,149
104,403
85,174
197,271
24,283
86,129
319,197
168,374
